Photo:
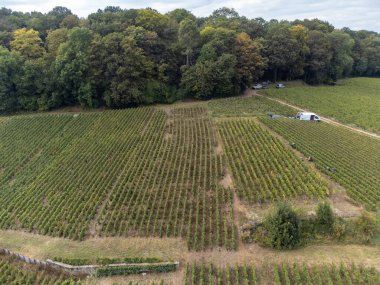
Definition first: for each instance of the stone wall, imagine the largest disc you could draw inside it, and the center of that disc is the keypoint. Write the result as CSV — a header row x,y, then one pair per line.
x,y
71,269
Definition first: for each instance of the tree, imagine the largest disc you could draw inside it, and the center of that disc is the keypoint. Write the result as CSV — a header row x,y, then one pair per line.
x,y
10,72
31,86
73,70
341,62
301,35
250,61
221,39
126,70
181,14
319,59
325,217
188,37
55,38
284,51
211,76
28,43
69,22
283,228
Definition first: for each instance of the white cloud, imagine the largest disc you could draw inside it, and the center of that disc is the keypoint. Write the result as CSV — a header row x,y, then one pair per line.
x,y
355,14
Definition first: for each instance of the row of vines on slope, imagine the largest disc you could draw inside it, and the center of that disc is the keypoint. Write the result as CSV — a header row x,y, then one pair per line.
x,y
351,159
136,172
65,194
14,272
263,169
176,192
280,274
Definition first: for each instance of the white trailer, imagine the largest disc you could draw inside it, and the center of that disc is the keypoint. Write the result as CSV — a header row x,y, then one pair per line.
x,y
306,116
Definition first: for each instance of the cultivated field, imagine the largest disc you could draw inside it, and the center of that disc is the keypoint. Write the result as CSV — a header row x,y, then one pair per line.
x,y
166,182
13,272
280,274
353,101
138,172
351,159
263,169
247,107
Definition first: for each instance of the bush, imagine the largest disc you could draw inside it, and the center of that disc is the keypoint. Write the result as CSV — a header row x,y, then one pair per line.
x,y
325,218
136,269
365,227
340,229
283,228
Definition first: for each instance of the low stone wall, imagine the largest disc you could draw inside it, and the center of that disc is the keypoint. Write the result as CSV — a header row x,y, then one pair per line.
x,y
71,269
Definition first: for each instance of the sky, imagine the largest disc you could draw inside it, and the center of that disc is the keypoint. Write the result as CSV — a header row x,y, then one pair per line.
x,y
355,14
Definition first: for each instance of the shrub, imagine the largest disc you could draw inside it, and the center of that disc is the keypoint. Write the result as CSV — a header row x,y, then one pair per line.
x,y
365,227
340,229
325,218
135,269
283,228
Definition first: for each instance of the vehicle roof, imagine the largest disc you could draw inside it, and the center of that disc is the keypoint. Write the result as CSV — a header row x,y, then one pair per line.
x,y
308,113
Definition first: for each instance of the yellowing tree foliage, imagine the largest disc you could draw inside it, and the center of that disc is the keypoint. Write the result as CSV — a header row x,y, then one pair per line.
x,y
28,43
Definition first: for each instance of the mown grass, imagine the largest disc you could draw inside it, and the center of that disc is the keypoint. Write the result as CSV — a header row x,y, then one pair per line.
x,y
354,101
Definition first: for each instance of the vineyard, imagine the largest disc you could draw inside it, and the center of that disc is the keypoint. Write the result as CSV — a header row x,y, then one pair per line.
x,y
14,272
247,107
350,159
353,101
280,274
137,172
263,169
177,191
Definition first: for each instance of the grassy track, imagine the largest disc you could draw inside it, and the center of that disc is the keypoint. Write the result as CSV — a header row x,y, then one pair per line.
x,y
353,101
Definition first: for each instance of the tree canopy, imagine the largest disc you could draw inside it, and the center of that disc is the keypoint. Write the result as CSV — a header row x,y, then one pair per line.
x,y
124,57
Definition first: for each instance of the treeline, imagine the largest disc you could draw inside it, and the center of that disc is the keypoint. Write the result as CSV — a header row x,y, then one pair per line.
x,y
118,58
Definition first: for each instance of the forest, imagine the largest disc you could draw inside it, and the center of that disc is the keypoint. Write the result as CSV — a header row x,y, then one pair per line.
x,y
118,58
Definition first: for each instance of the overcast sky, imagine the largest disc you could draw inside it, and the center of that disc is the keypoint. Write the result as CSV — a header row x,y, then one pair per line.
x,y
356,14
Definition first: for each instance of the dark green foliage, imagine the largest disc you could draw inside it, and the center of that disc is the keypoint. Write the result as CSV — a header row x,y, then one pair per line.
x,y
135,269
127,57
283,228
106,261
325,217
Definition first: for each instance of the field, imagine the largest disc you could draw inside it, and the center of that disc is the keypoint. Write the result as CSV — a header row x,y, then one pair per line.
x,y
247,107
263,169
176,183
14,272
351,159
280,274
137,172
353,101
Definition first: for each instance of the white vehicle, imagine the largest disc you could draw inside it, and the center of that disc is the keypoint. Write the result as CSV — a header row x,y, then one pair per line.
x,y
257,86
280,85
306,116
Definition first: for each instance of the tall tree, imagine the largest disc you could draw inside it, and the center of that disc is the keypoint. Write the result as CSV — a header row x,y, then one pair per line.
x,y
188,36
28,43
73,70
10,72
250,61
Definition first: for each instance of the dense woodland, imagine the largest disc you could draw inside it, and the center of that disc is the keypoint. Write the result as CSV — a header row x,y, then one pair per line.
x,y
119,58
